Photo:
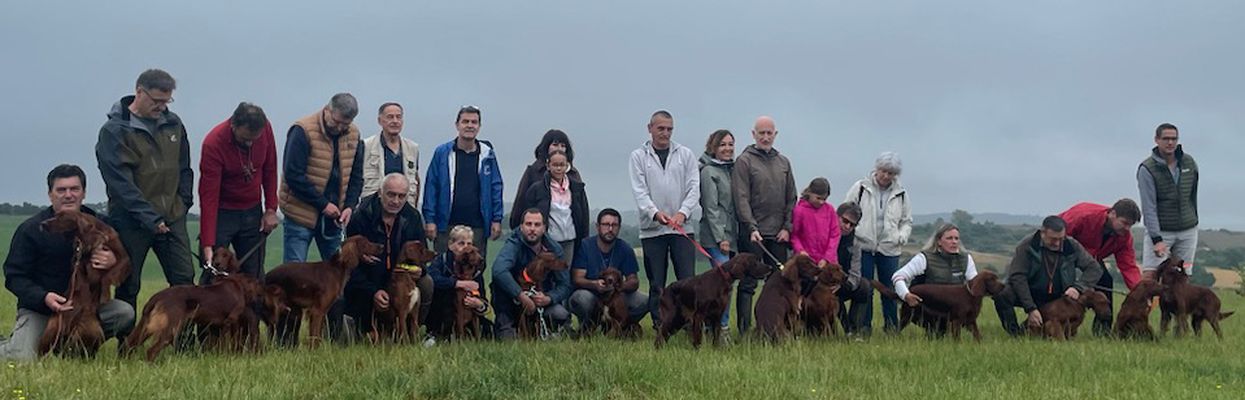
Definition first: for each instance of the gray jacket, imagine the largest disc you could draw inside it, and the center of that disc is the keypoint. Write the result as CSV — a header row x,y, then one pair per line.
x,y
765,191
674,188
717,202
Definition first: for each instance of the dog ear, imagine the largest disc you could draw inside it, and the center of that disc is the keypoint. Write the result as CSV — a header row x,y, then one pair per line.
x,y
121,270
977,286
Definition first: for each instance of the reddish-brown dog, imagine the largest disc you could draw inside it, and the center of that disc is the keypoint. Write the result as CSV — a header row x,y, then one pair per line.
x,y
704,298
1133,320
959,304
1062,317
533,276
612,305
79,331
1183,300
821,305
313,286
778,306
467,264
400,322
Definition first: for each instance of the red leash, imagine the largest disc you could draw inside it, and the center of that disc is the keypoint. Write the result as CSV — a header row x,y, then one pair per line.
x,y
712,261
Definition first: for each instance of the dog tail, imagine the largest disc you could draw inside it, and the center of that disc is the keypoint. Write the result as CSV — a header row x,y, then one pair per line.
x,y
1225,315
885,291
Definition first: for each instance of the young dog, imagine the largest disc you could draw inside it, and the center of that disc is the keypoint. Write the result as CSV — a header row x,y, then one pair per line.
x,y
400,322
313,286
533,276
79,331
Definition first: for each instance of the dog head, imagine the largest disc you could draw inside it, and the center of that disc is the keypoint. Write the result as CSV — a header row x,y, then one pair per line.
x,y
613,279
353,250
1098,302
541,266
832,275
416,253
1172,271
1146,289
800,267
985,283
68,222
224,260
746,264
467,263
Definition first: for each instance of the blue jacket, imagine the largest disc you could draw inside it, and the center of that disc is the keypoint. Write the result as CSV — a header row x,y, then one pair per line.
x,y
439,185
514,256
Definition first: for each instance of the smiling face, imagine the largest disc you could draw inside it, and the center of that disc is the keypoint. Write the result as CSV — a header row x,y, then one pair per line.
x,y
67,194
764,133
1167,140
726,149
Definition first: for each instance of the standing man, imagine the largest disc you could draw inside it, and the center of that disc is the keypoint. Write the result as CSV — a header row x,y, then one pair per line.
x,y
1106,232
665,180
1168,183
39,265
144,158
508,297
764,199
594,255
238,166
1046,266
389,153
463,185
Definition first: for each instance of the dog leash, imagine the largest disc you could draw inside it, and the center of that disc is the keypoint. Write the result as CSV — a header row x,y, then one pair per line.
x,y
1112,290
543,328
713,262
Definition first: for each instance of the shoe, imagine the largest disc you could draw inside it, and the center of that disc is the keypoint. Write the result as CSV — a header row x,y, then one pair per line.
x,y
430,341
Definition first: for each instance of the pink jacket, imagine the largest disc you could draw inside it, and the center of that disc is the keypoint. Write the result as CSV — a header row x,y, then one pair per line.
x,y
816,231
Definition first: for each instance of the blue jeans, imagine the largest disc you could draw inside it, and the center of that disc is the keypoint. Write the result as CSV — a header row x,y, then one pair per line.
x,y
298,239
720,258
885,266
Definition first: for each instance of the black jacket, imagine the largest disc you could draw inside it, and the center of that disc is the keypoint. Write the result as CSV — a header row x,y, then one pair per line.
x,y
538,195
38,263
534,173
367,221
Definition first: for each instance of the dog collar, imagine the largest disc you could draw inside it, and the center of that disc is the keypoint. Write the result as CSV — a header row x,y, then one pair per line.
x,y
410,267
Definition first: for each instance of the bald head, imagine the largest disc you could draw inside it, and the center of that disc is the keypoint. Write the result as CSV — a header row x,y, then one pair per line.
x,y
764,132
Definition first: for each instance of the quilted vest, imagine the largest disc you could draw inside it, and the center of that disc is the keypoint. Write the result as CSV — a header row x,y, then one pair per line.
x,y
319,163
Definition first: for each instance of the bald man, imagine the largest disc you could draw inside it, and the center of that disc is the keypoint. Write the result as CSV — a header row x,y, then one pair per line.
x,y
765,194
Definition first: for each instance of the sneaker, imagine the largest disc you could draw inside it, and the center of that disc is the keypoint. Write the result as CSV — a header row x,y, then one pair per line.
x,y
430,341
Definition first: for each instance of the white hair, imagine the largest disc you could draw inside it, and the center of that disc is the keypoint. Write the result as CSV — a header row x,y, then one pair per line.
x,y
889,161
395,175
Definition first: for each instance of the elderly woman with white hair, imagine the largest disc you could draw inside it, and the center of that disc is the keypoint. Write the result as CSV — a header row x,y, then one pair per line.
x,y
884,228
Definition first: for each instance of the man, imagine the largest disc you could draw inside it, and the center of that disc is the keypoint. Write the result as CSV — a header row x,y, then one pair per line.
x,y
321,183
388,153
595,254
1106,232
321,187
855,290
384,217
1043,269
1168,183
508,298
764,199
39,265
665,179
144,158
239,164
463,185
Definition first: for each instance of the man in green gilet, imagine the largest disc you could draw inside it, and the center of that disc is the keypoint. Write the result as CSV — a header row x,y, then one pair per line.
x,y
1046,266
1167,180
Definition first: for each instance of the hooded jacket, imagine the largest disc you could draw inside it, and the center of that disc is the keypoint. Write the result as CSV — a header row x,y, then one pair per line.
x,y
765,191
717,202
147,175
897,217
673,188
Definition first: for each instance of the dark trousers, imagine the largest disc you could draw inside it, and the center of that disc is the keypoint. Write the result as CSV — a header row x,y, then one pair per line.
x,y
239,229
172,249
659,253
440,312
362,307
1102,327
748,286
854,318
1005,304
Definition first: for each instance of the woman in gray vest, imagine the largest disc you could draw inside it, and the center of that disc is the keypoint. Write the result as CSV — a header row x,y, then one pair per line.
x,y
943,261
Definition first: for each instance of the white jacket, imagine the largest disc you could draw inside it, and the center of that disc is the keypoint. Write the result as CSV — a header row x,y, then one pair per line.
x,y
675,188
897,227
374,167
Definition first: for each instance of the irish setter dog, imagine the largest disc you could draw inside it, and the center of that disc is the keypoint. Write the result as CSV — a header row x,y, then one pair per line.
x,y
959,304
612,306
314,286
1133,320
1183,300
79,331
1062,317
703,298
467,263
400,322
778,306
533,277
821,305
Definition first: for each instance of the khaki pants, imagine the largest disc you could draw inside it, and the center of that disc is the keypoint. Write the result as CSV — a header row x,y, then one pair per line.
x,y
116,317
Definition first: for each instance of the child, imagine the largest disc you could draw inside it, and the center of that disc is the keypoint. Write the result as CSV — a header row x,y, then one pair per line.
x,y
815,224
441,318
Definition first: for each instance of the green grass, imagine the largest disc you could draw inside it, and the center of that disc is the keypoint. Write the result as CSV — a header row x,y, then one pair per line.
x,y
907,366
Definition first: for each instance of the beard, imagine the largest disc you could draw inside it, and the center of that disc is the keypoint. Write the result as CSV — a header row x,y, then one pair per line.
x,y
608,239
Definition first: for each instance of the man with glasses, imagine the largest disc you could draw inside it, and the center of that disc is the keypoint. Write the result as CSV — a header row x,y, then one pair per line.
x,y
463,185
238,166
594,255
1168,181
320,189
144,159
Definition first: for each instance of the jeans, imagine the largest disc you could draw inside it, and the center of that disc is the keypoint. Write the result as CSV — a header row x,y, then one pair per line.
x,y
297,240
748,286
172,249
659,252
884,266
115,316
583,305
720,258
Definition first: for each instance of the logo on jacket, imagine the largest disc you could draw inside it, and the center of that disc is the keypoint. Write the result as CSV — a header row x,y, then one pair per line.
x,y
173,137
486,170
410,165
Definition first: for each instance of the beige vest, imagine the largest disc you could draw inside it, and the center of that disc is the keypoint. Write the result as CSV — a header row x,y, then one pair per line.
x,y
319,162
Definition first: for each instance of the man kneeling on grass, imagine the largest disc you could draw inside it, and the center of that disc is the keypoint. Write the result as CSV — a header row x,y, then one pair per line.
x,y
39,266
594,255
1044,269
509,299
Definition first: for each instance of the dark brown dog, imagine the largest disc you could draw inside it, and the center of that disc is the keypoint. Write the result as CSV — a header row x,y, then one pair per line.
x,y
612,305
400,322
958,304
533,276
1133,320
79,331
704,298
224,305
1062,317
313,286
821,305
467,264
1182,299
778,306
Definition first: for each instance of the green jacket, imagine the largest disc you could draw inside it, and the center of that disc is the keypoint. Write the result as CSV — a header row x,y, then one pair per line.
x,y
1027,274
147,175
717,223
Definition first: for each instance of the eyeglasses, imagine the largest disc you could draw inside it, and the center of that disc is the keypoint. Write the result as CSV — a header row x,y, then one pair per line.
x,y
847,222
609,224
168,100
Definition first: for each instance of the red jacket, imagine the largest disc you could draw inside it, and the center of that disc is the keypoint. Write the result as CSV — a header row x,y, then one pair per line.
x,y
1085,224
223,183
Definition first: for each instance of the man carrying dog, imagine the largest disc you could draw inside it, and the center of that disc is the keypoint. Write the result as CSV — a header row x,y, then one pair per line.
x,y
1043,269
595,254
508,297
39,265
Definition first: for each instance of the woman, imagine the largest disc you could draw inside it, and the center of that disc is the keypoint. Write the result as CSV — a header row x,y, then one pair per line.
x,y
718,224
563,200
942,261
884,229
553,140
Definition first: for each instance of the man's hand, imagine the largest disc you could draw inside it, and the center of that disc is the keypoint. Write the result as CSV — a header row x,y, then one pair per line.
x,y
678,219
1072,293
1160,249
912,299
496,228
469,286
345,217
541,300
662,218
57,303
725,246
269,222
207,254
430,230
783,236
600,285
529,307
371,259
1035,319
331,211
381,299
755,237
162,229
103,258
473,302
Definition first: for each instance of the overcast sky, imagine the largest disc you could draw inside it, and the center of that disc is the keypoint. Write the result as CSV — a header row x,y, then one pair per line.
x,y
1018,107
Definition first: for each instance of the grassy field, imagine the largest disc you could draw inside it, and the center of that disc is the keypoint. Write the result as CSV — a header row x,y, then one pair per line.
x,y
905,366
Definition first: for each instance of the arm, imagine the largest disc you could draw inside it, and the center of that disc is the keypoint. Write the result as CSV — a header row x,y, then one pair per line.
x,y
210,166
691,187
741,185
116,167
629,263
797,235
186,181
1091,270
20,271
440,271
853,273
970,270
432,187
579,277
836,234
1018,277
1126,262
1149,204
914,268
792,194
905,220
639,187
499,208
516,213
713,212
270,171
561,287
355,187
501,270
296,152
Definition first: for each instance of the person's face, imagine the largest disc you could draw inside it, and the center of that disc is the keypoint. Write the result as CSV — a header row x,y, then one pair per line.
x,y
950,241
393,196
607,228
151,102
244,136
816,200
558,166
1120,225
1053,240
1167,141
66,194
457,244
533,228
764,134
884,177
468,125
390,120
847,224
556,146
726,149
335,122
661,129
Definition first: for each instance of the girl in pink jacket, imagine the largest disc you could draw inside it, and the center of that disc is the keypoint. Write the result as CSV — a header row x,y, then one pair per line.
x,y
815,225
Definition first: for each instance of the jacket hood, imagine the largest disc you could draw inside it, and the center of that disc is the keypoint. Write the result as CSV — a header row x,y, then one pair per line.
x,y
120,111
753,149
707,160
